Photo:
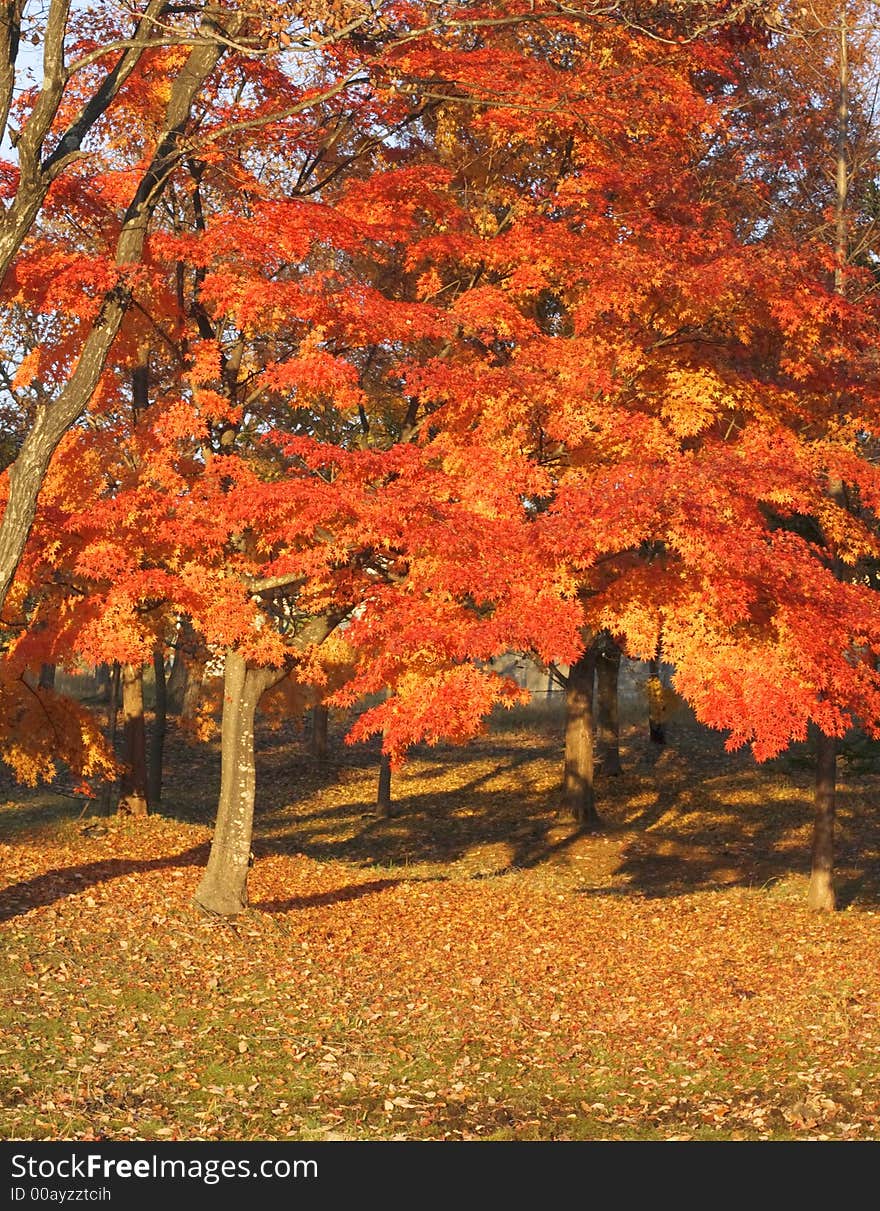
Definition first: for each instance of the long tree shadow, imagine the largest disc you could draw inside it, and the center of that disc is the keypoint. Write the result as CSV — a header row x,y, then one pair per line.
x,y
682,818
437,826
713,839
323,899
53,885
691,817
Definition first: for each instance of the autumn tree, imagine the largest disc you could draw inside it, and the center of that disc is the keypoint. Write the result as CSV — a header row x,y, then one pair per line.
x,y
124,86
401,384
660,394
811,113
193,502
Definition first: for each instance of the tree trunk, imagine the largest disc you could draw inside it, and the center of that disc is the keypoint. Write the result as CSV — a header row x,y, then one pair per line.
x,y
192,690
223,889
133,792
383,795
177,682
820,896
113,678
157,736
841,167
607,715
47,677
655,703
102,682
319,744
578,778
113,684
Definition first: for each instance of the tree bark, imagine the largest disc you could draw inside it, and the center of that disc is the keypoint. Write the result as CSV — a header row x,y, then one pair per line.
x,y
841,167
319,744
223,889
113,681
47,677
178,678
383,794
157,736
656,730
607,713
133,792
820,896
192,690
578,791
176,685
102,682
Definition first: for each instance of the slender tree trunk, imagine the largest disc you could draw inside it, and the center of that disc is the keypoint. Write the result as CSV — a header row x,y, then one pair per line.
x,y
578,789
133,792
157,736
223,889
47,677
820,896
655,703
607,714
841,173
383,794
319,744
113,680
177,682
140,385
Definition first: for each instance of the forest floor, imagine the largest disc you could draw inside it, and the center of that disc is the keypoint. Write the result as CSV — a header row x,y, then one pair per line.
x,y
471,968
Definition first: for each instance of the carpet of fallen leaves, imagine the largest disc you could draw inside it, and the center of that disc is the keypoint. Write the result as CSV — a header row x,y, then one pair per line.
x,y
471,968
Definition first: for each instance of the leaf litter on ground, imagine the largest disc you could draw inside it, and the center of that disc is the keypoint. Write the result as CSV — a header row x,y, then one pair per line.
x,y
471,968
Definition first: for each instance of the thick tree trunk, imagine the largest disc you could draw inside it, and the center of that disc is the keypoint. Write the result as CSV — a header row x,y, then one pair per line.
x,y
655,704
820,896
578,789
383,793
607,715
223,889
319,744
157,736
47,677
133,792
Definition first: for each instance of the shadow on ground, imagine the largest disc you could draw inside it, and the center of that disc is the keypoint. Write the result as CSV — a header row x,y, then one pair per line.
x,y
684,817
53,885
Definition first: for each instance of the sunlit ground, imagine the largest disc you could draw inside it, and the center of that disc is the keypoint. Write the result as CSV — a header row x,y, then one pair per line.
x,y
472,967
